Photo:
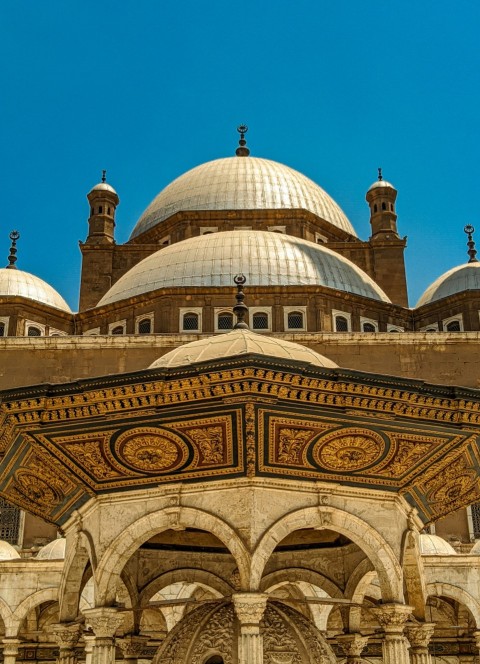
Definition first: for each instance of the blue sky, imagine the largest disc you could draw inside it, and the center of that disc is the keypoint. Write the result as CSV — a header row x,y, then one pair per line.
x,y
150,89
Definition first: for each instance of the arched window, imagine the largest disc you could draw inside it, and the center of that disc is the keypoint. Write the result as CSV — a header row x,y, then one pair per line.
x,y
384,207
215,659
375,208
100,209
260,320
34,331
145,326
295,320
225,321
2,329
391,207
118,330
190,321
108,210
368,327
453,326
341,324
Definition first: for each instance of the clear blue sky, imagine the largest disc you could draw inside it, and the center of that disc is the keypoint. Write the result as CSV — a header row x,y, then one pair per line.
x,y
149,89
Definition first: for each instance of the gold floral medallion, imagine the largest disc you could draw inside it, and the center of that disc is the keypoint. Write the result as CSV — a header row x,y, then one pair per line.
x,y
151,450
348,449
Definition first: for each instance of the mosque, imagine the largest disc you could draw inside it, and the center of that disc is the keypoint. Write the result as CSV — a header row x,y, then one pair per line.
x,y
245,447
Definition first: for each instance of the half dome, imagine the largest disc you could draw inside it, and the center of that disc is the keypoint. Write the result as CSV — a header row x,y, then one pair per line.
x,y
433,545
54,550
247,183
264,257
23,284
239,342
461,278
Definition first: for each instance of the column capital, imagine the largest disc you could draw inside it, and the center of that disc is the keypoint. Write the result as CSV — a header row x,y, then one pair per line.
x,y
105,620
419,634
249,607
132,645
392,617
66,634
352,644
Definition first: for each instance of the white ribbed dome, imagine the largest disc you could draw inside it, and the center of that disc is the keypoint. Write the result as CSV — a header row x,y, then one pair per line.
x,y
18,283
265,258
7,552
433,545
242,183
239,342
53,550
461,278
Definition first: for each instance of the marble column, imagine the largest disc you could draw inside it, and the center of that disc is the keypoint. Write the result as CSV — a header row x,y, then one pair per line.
x,y
419,635
392,617
250,608
104,621
132,646
66,635
89,640
10,649
353,646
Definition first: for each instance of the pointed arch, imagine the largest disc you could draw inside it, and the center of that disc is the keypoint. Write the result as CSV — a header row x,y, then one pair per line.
x,y
188,575
29,603
79,554
458,594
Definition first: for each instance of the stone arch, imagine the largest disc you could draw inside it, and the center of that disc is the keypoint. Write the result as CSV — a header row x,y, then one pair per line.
x,y
361,577
123,546
294,574
359,531
458,594
29,603
78,557
187,574
6,615
414,575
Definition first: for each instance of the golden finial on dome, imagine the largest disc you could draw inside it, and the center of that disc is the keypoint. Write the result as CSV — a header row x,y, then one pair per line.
x,y
240,309
472,252
242,150
104,175
12,258
380,176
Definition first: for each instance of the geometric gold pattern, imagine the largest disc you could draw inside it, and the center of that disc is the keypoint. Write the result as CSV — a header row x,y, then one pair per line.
x,y
151,450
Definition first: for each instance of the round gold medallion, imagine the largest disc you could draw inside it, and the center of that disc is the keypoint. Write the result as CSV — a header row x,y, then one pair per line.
x,y
150,450
34,488
348,450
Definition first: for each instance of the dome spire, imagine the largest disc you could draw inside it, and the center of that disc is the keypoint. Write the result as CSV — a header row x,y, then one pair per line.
x,y
240,309
242,150
472,252
380,176
12,258
104,175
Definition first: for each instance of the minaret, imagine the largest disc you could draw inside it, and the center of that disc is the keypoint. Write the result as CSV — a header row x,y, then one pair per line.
x,y
381,198
103,201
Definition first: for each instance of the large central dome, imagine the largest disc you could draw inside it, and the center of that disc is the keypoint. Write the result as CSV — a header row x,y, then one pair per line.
x,y
264,257
242,183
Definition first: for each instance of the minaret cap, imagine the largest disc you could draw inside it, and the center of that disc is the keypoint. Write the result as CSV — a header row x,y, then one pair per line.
x,y
242,150
12,258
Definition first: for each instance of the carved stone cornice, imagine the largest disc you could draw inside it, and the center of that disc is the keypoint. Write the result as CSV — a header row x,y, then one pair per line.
x,y
104,621
250,607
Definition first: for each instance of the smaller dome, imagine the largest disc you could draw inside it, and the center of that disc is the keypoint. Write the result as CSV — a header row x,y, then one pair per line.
x,y
18,283
7,552
381,184
461,278
53,550
236,343
433,545
103,186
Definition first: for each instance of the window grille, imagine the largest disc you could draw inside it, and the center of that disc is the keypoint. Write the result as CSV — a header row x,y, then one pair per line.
x,y
2,329
34,332
117,330
453,326
260,321
190,321
9,522
476,520
225,321
368,327
145,326
341,324
295,320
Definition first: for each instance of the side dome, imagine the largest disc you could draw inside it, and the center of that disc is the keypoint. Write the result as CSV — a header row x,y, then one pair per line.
x,y
457,280
54,550
248,183
18,283
239,342
265,258
7,552
433,545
